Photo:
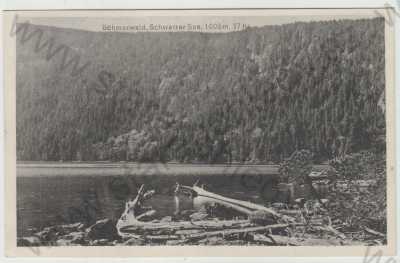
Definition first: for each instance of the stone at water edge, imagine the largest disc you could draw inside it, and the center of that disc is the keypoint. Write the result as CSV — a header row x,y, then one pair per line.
x,y
184,215
175,242
31,241
279,206
166,219
101,242
32,230
197,216
52,233
72,227
75,238
261,217
104,228
212,241
134,242
48,234
65,242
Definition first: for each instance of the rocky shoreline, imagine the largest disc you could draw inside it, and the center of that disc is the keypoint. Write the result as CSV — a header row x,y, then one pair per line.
x,y
103,232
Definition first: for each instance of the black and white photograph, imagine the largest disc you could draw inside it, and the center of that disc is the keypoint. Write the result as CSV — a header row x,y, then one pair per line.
x,y
201,130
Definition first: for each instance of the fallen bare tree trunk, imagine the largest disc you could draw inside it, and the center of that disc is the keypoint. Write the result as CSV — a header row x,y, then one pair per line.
x,y
330,230
186,232
288,241
290,212
234,231
238,205
129,222
297,241
185,225
161,238
374,232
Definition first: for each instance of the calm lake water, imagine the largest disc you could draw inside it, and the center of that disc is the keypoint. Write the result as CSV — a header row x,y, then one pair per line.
x,y
51,194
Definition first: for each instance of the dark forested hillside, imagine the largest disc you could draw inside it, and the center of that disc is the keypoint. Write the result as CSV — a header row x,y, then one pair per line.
x,y
255,95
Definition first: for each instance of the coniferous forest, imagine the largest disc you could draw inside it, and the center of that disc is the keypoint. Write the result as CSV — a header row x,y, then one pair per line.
x,y
252,96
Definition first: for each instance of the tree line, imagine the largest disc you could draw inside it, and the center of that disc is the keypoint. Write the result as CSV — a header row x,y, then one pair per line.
x,y
255,95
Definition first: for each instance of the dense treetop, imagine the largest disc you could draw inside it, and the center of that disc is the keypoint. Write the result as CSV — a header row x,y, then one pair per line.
x,y
250,96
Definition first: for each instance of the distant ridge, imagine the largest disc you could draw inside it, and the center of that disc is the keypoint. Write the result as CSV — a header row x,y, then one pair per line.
x,y
252,96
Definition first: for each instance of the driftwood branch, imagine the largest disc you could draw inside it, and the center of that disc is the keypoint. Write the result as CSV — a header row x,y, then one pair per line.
x,y
293,241
374,232
238,205
183,232
129,223
140,226
234,231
